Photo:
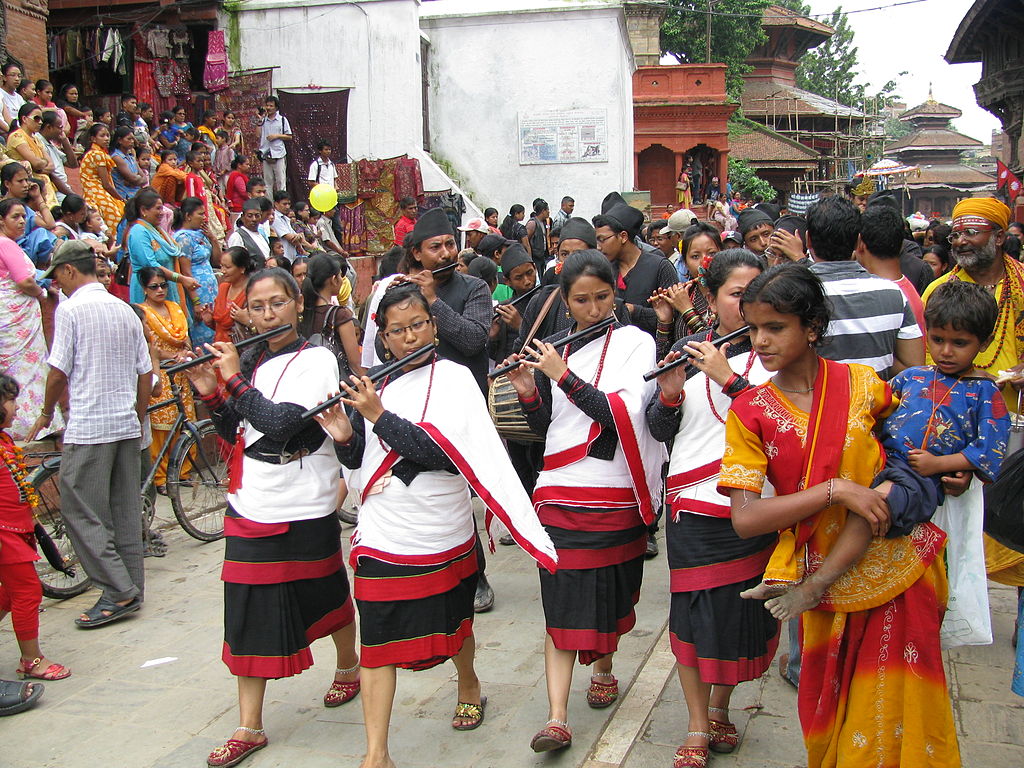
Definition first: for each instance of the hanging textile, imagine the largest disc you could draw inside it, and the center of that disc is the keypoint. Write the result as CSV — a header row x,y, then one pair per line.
x,y
348,182
381,210
369,178
244,94
315,115
408,179
215,74
354,223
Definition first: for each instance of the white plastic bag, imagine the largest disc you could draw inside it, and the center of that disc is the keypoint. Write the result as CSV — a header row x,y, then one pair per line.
x,y
967,620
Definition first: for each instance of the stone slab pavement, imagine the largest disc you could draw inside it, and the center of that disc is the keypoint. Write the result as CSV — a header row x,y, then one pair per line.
x,y
151,691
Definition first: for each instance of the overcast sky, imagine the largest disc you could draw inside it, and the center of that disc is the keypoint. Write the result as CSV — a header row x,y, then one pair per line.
x,y
913,38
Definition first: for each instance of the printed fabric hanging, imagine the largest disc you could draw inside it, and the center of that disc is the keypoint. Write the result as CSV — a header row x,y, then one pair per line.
x,y
215,74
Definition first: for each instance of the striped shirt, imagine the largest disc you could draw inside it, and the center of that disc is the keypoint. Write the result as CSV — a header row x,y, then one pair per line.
x,y
868,314
98,343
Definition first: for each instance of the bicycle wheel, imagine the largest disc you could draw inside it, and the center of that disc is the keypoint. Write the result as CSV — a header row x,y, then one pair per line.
x,y
197,482
56,584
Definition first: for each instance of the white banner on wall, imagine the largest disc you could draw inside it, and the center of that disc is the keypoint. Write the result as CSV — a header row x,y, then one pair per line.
x,y
564,136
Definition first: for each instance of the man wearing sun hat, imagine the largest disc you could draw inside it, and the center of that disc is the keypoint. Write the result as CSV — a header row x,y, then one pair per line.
x,y
476,230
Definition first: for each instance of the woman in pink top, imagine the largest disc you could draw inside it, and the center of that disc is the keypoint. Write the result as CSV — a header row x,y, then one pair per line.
x,y
22,346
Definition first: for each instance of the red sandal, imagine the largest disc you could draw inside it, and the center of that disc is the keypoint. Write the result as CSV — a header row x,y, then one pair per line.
x,y
341,693
724,738
601,695
51,673
555,734
234,751
692,756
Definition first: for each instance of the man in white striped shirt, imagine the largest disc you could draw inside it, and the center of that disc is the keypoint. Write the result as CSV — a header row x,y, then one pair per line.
x,y
872,322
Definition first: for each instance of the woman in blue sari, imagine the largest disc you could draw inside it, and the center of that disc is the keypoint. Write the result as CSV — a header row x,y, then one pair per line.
x,y
150,246
198,250
125,175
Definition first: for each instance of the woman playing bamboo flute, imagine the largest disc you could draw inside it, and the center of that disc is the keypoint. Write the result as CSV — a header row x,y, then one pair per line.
x,y
429,441
597,490
284,577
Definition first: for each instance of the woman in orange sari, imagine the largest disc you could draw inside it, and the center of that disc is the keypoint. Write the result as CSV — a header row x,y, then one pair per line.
x,y
873,687
167,323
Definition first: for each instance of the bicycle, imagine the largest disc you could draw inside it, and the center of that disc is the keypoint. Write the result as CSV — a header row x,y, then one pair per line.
x,y
198,502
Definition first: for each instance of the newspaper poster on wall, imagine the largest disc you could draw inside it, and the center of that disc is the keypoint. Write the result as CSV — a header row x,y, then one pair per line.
x,y
563,136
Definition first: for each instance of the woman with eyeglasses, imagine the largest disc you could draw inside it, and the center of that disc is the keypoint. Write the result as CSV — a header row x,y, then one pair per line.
x,y
168,327
26,145
421,438
284,576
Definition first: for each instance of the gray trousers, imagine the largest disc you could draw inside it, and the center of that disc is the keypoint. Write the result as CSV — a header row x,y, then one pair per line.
x,y
274,174
101,506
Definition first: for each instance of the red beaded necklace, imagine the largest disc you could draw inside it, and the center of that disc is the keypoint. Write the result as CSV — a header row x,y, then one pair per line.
x,y
426,400
600,363
707,381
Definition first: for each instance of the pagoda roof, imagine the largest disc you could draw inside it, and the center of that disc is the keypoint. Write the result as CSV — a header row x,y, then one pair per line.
x,y
933,109
764,147
952,176
777,16
758,96
933,139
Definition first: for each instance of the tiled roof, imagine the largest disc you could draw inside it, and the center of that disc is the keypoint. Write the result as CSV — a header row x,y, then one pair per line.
x,y
763,146
933,138
759,95
932,108
948,175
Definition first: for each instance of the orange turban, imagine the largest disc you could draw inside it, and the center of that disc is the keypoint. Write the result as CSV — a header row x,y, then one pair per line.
x,y
988,208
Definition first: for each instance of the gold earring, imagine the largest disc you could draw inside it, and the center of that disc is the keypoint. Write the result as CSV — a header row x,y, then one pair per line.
x,y
387,354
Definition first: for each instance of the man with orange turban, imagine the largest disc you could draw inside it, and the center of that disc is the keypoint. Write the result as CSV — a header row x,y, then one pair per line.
x,y
979,230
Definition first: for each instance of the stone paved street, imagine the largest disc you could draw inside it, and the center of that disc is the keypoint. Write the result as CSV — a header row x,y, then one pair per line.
x,y
116,711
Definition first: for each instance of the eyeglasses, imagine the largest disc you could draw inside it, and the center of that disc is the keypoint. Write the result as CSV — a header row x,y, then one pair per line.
x,y
602,239
969,233
397,333
276,306
157,286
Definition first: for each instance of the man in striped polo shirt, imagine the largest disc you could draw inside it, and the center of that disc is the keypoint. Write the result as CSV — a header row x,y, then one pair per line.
x,y
872,322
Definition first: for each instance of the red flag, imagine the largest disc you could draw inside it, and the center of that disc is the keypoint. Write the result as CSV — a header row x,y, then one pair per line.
x,y
1013,187
1002,172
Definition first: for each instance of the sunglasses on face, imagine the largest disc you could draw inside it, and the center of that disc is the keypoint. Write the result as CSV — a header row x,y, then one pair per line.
x,y
157,286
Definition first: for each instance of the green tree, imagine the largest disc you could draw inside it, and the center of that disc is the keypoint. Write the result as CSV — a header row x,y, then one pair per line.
x,y
745,180
830,69
735,32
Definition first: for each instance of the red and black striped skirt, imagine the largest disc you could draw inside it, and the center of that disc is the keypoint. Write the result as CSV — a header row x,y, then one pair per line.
x,y
727,638
414,616
284,587
589,601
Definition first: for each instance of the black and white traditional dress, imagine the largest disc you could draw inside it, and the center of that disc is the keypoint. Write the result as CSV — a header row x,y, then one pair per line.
x,y
413,550
712,629
284,575
597,490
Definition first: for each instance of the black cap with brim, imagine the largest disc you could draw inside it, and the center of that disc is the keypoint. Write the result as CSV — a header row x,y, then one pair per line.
x,y
69,252
433,223
576,228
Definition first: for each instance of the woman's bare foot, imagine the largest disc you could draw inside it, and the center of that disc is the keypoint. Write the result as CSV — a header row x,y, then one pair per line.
x,y
763,591
802,597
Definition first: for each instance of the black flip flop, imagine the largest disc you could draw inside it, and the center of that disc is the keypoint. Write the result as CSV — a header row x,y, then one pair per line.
x,y
12,691
117,612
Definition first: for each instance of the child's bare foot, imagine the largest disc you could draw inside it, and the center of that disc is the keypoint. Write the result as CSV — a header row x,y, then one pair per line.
x,y
763,591
802,597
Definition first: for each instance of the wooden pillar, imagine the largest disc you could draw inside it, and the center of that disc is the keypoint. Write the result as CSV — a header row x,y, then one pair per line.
x,y
636,169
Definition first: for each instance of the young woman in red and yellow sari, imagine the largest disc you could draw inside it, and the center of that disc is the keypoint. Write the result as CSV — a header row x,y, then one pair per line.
x,y
873,689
